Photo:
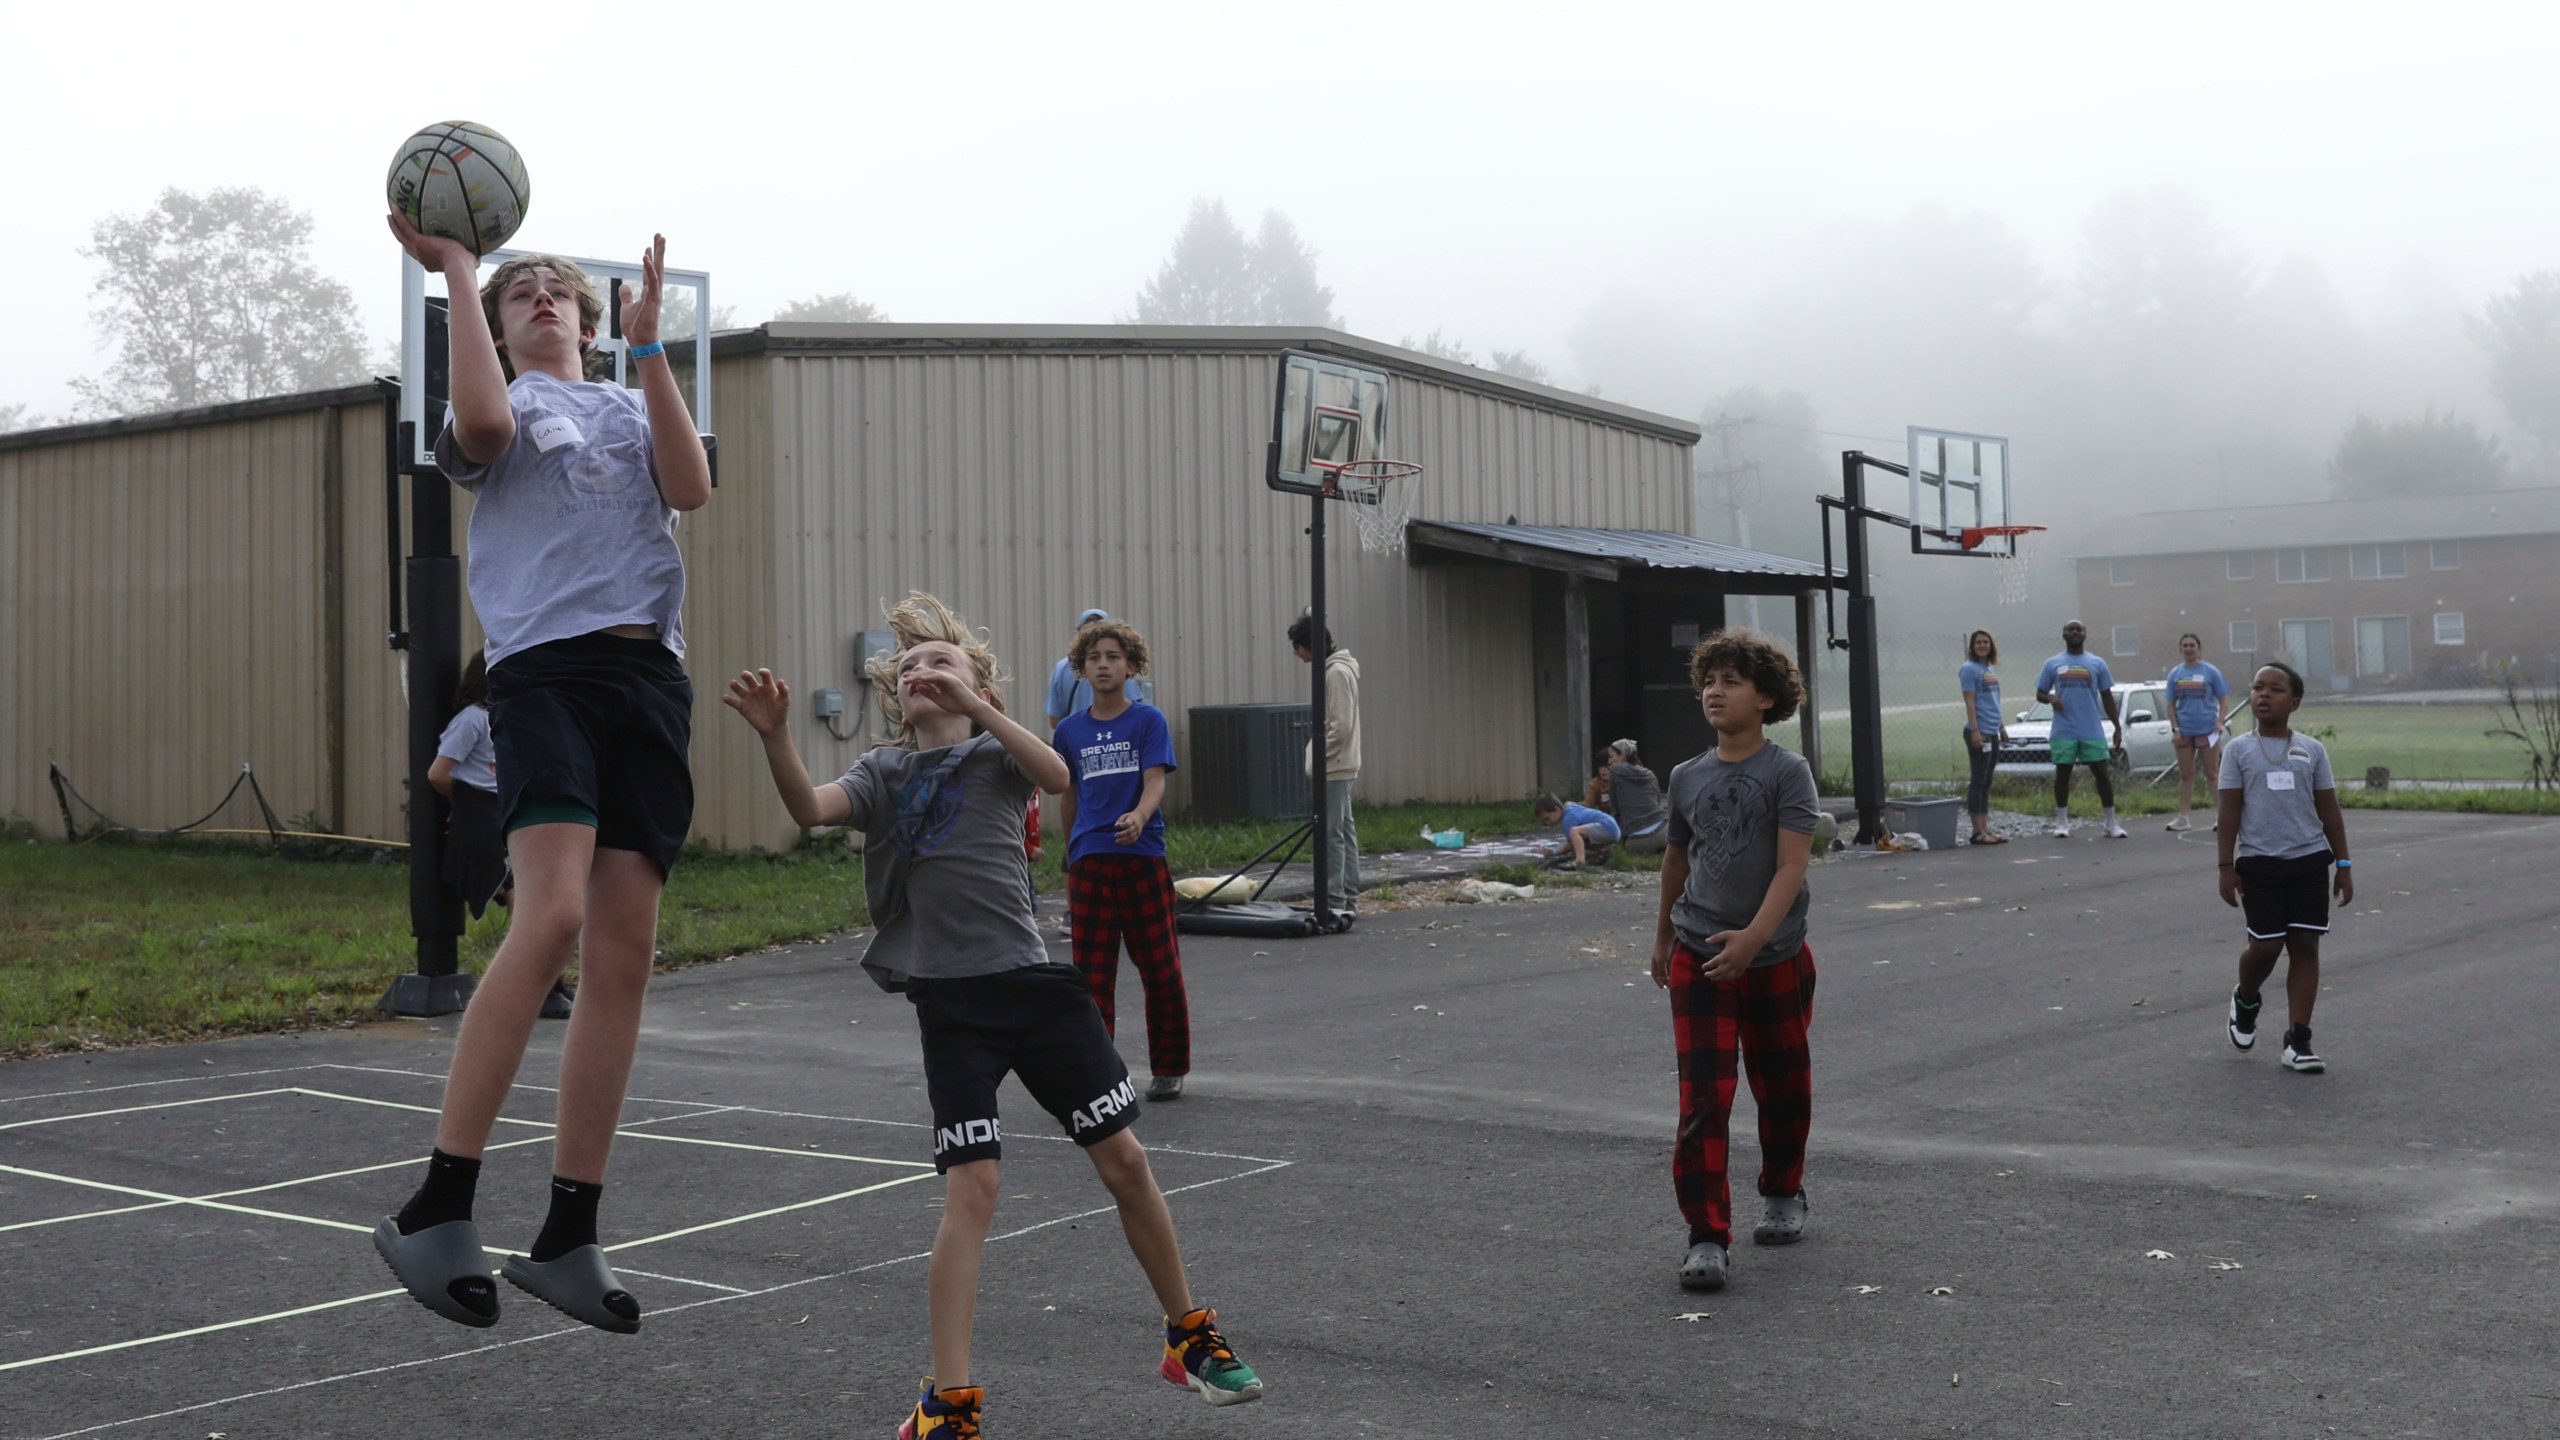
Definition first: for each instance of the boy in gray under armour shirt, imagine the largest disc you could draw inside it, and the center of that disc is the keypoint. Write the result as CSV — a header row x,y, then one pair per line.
x,y
941,815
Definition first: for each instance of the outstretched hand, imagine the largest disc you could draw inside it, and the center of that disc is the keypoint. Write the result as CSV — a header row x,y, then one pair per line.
x,y
436,253
760,698
640,310
946,691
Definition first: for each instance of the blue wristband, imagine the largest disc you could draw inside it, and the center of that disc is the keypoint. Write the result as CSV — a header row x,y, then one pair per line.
x,y
2346,864
643,352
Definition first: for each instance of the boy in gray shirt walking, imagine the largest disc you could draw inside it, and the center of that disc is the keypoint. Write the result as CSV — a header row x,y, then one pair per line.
x,y
2279,811
941,816
1730,947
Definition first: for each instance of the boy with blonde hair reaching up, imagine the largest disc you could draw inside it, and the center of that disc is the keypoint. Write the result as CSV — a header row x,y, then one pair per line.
x,y
941,816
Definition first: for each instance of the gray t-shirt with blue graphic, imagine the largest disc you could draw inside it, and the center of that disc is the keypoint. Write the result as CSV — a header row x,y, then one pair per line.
x,y
2278,780
943,862
1727,814
568,533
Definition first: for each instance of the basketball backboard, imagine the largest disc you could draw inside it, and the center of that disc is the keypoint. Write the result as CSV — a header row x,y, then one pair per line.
x,y
425,385
1327,415
1959,482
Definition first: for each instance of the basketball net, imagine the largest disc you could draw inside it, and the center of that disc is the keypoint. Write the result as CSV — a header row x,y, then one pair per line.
x,y
1381,495
2015,567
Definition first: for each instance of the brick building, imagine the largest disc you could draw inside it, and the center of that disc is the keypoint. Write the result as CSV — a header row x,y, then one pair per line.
x,y
2357,594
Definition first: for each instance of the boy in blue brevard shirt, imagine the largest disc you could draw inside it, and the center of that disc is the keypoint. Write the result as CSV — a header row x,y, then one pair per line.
x,y
1118,752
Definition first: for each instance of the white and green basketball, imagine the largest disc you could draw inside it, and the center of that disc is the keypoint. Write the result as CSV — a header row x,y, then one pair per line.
x,y
461,181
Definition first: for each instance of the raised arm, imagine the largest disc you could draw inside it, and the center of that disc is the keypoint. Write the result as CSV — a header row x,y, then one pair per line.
x,y
764,702
484,420
684,470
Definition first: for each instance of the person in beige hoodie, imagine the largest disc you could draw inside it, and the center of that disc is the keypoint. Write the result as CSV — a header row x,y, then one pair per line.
x,y
1341,761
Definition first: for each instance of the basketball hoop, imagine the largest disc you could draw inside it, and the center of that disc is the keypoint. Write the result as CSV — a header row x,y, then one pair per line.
x,y
1381,493
2015,567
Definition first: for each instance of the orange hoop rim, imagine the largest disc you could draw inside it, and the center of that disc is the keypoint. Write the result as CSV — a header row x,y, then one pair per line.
x,y
1972,536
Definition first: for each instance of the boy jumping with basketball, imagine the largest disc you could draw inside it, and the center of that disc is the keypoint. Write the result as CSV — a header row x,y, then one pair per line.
x,y
943,867
1729,945
577,580
1118,751
2279,813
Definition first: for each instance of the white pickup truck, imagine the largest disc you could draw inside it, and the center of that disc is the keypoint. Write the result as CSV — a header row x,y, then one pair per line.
x,y
2143,705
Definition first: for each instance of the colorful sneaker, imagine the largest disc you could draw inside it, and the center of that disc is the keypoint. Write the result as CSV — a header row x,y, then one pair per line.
x,y
1198,1357
2244,1020
2297,1052
944,1414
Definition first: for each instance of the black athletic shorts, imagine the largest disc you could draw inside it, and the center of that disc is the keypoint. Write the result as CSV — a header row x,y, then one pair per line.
x,y
2278,897
1038,1022
600,721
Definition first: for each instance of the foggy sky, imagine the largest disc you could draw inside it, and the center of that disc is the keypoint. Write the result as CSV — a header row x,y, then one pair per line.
x,y
1521,177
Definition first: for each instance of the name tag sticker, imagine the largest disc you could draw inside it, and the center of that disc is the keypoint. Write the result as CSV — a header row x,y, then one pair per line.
x,y
553,431
2279,779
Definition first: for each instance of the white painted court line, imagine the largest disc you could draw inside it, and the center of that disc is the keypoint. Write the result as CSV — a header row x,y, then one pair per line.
x,y
776,1210
164,1196
574,1329
675,1279
205,1329
138,1109
173,1080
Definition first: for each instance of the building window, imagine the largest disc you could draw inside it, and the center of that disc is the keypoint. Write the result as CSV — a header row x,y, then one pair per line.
x,y
2382,645
2444,555
2244,637
2448,627
2294,567
2238,565
2119,572
2378,562
2128,640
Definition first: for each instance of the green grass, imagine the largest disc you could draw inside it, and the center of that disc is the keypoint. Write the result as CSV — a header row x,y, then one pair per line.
x,y
114,943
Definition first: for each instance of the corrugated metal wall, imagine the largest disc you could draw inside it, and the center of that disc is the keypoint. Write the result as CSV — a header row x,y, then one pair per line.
x,y
1022,487
182,599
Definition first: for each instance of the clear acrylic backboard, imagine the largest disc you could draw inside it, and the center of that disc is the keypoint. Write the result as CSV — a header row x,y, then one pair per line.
x,y
1959,482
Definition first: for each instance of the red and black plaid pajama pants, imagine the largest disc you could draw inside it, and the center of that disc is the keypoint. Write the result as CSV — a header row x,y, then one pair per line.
x,y
1116,898
1762,1019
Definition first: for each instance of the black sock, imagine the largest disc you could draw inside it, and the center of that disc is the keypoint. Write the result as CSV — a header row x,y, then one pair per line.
x,y
446,1195
572,1221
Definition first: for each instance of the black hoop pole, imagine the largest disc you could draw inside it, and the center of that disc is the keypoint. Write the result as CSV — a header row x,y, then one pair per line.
x,y
1318,644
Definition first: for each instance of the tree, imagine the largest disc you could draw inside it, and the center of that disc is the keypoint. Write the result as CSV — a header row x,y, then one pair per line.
x,y
1439,349
1208,280
1216,276
2427,456
840,308
211,298
675,314
1283,270
1518,365
2521,331
16,416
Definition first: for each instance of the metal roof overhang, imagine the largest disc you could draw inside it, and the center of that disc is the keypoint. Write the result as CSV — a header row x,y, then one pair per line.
x,y
1619,556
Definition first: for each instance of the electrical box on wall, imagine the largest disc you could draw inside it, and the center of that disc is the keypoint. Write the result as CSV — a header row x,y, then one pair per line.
x,y
866,645
830,704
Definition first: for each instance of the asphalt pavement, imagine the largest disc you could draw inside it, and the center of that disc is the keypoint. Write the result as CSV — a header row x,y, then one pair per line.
x,y
1423,1170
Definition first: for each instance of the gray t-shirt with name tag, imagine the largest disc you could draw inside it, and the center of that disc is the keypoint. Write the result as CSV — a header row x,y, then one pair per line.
x,y
1727,814
2278,780
568,533
942,861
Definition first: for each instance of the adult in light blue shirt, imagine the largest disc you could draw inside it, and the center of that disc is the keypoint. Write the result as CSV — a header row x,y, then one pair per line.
x,y
1068,692
2082,693
1984,729
2196,692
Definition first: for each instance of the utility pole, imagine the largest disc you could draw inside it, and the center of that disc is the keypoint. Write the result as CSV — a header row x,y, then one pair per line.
x,y
1733,485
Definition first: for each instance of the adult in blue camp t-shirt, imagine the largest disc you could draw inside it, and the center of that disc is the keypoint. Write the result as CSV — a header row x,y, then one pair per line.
x,y
2196,692
1979,680
2082,693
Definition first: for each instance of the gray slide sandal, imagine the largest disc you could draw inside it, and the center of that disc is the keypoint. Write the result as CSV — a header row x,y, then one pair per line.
x,y
432,1261
579,1285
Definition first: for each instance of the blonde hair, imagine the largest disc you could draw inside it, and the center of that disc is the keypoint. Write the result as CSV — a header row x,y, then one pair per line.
x,y
590,306
917,620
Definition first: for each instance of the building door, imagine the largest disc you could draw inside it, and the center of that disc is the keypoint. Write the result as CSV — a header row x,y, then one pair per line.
x,y
2382,645
2307,647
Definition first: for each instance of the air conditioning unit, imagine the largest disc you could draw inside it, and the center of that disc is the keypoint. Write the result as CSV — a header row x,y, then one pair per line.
x,y
1249,762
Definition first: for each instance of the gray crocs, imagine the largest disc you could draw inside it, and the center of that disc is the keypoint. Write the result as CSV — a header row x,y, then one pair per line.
x,y
1783,1221
431,1262
579,1285
1706,1267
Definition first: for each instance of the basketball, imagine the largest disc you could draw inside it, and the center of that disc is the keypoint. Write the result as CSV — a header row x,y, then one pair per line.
x,y
463,182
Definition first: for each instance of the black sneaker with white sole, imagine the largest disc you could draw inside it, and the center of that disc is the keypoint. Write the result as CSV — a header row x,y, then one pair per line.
x,y
2298,1054
2244,1020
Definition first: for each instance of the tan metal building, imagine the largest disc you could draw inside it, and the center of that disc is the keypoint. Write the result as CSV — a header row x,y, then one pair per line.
x,y
190,591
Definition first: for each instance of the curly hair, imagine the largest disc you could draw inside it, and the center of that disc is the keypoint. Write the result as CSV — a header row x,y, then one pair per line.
x,y
1757,658
914,621
1132,644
